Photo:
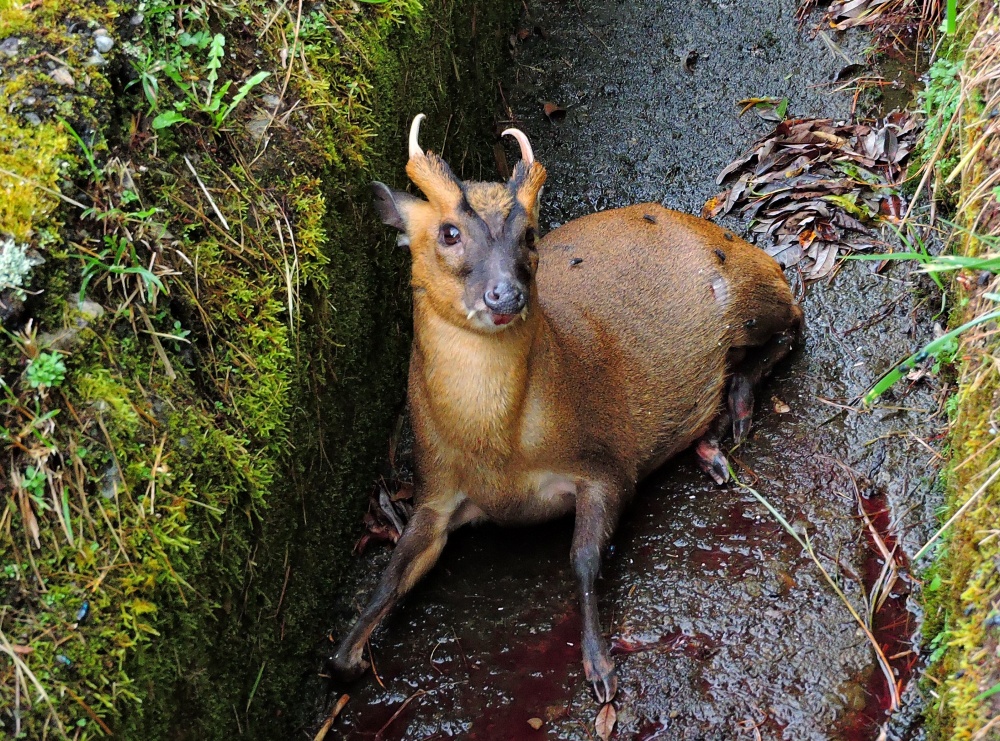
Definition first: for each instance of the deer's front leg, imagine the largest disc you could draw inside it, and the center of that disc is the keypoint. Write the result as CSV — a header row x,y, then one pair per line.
x,y
598,505
416,552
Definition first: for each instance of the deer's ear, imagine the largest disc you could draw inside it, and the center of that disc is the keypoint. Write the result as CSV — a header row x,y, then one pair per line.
x,y
432,175
527,181
393,206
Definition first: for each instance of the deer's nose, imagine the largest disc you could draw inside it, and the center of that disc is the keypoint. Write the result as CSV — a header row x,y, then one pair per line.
x,y
505,297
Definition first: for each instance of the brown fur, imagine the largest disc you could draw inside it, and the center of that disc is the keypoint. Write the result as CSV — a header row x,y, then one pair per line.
x,y
633,324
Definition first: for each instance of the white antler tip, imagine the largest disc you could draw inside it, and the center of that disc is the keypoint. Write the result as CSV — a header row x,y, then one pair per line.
x,y
526,154
415,150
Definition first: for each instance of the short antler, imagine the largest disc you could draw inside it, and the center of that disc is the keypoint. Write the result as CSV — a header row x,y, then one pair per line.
x,y
526,154
415,150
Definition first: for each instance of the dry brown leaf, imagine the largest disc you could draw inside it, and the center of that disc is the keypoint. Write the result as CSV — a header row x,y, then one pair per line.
x,y
605,723
28,515
818,183
554,112
714,205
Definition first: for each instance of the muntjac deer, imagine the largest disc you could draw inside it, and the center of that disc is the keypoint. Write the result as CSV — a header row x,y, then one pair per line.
x,y
550,375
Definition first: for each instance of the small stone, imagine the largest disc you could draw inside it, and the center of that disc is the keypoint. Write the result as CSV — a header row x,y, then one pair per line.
x,y
32,118
535,723
96,60
9,46
61,76
104,43
136,20
89,311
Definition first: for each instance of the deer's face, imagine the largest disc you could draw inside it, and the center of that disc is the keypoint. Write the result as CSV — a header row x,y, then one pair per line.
x,y
473,244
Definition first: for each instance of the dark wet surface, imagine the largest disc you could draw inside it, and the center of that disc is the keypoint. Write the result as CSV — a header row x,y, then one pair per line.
x,y
722,627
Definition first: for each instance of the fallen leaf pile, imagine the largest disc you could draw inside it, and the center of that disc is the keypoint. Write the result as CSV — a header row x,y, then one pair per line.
x,y
389,509
812,187
844,14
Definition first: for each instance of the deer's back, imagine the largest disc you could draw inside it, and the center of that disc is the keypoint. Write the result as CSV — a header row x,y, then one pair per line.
x,y
645,304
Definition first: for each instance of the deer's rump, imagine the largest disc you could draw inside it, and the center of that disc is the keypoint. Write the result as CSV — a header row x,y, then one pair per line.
x,y
655,300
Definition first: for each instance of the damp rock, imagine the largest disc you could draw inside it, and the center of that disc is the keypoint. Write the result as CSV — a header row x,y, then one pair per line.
x,y
89,311
103,41
62,76
8,47
257,125
63,340
110,482
96,60
32,118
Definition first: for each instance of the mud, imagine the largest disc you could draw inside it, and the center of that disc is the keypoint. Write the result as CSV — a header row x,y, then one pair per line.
x,y
722,627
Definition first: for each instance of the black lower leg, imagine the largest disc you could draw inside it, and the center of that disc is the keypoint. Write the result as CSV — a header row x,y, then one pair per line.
x,y
709,454
418,549
596,516
740,405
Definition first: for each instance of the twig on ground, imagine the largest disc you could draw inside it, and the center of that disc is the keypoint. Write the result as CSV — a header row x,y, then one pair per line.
x,y
207,194
803,540
418,693
325,728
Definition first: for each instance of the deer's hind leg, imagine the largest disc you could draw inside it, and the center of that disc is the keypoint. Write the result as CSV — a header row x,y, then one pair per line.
x,y
748,365
756,363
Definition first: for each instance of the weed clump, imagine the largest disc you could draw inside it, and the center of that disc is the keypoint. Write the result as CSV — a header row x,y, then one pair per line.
x,y
962,588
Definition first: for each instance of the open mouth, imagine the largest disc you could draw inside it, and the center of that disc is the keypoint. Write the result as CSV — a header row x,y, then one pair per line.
x,y
502,319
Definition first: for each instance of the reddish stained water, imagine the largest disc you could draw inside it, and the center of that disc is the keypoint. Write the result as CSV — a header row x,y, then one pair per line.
x,y
893,625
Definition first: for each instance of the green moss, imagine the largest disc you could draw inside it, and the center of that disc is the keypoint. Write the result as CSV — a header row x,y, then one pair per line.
x,y
219,427
962,586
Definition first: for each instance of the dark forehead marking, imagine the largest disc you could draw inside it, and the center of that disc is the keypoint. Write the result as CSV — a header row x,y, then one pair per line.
x,y
464,206
493,225
516,212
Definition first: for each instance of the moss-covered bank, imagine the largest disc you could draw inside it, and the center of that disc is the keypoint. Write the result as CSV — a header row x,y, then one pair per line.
x,y
962,590
185,451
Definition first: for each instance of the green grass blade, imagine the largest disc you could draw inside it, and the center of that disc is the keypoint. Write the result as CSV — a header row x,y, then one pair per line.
x,y
932,348
988,693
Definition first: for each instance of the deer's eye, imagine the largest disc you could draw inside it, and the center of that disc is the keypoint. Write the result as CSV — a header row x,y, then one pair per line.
x,y
529,239
450,234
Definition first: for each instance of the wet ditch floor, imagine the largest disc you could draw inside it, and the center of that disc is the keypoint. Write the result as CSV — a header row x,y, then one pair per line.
x,y
721,626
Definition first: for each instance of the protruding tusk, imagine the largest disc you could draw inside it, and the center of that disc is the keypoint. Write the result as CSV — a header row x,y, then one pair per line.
x,y
415,150
524,314
472,313
526,154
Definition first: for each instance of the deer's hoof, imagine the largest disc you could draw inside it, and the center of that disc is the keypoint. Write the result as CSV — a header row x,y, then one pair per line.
x,y
342,667
712,461
600,672
605,688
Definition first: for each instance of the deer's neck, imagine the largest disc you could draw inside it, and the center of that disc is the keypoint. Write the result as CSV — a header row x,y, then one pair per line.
x,y
474,384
